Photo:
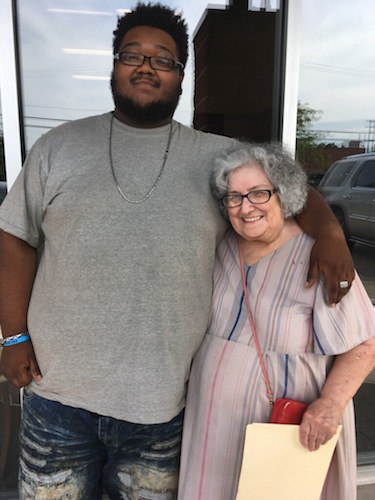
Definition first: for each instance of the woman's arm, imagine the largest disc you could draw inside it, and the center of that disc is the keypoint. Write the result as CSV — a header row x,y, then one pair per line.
x,y
330,254
18,263
322,417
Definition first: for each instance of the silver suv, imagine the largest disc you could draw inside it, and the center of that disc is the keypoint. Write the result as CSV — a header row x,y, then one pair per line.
x,y
349,189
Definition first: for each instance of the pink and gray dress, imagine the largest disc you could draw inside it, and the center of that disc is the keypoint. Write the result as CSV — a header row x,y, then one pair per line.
x,y
299,336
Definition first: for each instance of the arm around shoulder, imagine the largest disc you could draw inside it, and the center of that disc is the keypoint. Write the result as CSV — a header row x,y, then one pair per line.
x,y
330,254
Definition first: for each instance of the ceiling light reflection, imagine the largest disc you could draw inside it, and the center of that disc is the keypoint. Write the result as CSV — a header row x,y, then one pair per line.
x,y
88,77
84,12
88,52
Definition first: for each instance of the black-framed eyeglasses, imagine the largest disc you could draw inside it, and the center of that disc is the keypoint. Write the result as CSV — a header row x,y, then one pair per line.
x,y
156,62
256,197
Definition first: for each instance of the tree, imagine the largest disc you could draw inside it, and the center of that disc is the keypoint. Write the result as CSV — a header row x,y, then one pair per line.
x,y
309,152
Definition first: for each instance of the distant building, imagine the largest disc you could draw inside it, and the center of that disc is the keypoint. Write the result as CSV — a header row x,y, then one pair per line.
x,y
318,163
239,59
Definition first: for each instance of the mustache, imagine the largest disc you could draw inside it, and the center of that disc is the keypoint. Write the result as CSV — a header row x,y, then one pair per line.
x,y
147,78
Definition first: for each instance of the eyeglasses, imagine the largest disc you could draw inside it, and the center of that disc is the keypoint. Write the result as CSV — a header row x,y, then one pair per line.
x,y
256,197
156,62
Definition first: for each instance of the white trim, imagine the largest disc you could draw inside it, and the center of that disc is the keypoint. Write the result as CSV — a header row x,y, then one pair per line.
x,y
365,475
8,91
291,74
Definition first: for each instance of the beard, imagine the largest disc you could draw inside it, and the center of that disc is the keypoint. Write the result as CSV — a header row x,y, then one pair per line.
x,y
151,112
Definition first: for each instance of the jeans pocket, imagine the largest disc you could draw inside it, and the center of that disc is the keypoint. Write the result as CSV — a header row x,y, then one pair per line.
x,y
28,393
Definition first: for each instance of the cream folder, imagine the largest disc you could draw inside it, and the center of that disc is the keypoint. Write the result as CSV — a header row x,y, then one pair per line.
x,y
276,465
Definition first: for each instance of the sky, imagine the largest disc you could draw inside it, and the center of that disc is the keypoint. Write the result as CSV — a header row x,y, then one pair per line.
x,y
337,62
336,72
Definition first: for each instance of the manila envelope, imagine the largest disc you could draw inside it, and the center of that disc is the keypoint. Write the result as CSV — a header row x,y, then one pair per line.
x,y
276,465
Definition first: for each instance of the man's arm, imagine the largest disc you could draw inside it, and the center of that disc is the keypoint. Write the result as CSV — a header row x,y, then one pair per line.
x,y
330,254
18,263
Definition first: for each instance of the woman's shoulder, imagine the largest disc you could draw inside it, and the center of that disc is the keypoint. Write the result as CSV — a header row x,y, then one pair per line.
x,y
227,249
229,240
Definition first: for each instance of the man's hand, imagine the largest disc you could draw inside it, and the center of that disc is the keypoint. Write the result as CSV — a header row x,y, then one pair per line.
x,y
331,256
319,423
19,365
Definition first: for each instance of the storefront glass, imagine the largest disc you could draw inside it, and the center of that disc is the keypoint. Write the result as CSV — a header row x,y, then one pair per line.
x,y
66,62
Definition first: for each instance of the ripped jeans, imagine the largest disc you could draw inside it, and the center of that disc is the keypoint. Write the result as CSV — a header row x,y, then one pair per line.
x,y
73,454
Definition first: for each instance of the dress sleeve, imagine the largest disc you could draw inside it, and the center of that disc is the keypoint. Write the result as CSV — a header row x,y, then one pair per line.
x,y
348,324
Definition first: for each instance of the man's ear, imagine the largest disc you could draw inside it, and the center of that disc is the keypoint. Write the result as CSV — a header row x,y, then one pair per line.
x,y
181,79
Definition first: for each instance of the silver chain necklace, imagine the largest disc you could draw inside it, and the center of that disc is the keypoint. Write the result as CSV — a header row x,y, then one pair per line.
x,y
157,178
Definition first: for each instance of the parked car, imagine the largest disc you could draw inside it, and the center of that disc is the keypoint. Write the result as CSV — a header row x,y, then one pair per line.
x,y
314,179
3,190
349,188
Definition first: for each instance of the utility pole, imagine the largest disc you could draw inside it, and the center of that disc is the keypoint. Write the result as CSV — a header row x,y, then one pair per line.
x,y
370,136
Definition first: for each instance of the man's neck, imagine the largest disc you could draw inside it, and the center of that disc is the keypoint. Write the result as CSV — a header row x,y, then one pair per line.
x,y
140,123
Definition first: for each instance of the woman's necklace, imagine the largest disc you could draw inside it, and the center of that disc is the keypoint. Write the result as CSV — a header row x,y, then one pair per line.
x,y
157,178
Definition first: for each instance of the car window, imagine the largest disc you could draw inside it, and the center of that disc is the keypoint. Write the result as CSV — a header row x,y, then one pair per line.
x,y
366,175
339,173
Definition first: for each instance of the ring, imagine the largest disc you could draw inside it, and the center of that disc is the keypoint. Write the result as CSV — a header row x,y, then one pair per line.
x,y
343,284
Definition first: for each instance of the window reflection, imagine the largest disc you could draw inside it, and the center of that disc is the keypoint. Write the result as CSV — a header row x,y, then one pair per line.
x,y
3,186
232,46
67,60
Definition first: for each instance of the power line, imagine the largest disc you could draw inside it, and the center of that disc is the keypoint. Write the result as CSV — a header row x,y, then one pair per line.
x,y
337,69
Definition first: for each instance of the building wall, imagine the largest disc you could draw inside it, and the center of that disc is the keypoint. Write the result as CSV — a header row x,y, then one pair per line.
x,y
236,73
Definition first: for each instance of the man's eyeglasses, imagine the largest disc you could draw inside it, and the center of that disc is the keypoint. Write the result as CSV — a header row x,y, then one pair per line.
x,y
156,62
256,197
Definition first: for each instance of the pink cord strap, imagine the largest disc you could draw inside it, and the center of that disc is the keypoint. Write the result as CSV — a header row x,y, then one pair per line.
x,y
268,385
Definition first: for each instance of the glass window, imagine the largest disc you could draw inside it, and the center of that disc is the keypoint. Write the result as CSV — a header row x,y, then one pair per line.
x,y
66,57
230,84
339,173
366,176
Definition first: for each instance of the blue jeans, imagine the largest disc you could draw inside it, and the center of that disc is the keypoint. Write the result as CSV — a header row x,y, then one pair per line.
x,y
69,453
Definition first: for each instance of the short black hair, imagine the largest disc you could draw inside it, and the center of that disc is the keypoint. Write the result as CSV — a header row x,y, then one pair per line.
x,y
158,16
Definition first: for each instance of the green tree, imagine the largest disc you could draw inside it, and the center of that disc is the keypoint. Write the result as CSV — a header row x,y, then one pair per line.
x,y
309,152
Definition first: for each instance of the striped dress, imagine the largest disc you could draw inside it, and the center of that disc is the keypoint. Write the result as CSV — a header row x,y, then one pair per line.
x,y
298,335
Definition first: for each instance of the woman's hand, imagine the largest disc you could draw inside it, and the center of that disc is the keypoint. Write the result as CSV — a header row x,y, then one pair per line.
x,y
349,370
319,423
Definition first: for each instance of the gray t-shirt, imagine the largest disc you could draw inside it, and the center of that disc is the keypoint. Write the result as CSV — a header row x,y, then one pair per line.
x,y
122,293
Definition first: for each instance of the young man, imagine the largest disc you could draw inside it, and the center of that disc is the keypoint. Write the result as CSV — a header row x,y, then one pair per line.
x,y
106,251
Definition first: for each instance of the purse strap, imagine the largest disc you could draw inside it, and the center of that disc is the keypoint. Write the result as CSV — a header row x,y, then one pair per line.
x,y
262,364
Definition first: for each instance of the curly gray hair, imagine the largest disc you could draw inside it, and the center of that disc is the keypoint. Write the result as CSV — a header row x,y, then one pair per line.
x,y
279,166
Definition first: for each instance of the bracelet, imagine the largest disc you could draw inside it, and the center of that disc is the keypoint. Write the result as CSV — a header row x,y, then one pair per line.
x,y
15,339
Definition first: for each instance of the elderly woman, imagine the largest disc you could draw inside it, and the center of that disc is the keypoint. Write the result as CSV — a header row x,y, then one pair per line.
x,y
313,353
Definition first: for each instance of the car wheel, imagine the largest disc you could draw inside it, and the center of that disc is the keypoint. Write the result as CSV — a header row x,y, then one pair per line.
x,y
341,219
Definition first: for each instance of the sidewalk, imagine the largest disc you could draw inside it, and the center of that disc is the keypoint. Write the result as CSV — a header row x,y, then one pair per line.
x,y
366,492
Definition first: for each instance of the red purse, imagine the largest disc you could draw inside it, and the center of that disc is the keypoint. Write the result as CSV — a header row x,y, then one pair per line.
x,y
284,410
287,411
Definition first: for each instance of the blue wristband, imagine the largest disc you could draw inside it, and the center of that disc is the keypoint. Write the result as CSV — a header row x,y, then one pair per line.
x,y
15,339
